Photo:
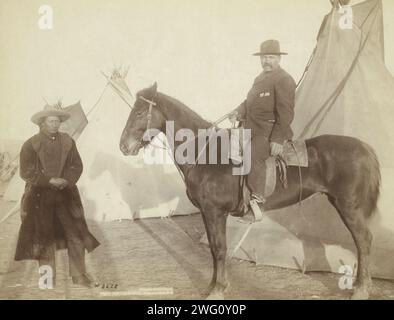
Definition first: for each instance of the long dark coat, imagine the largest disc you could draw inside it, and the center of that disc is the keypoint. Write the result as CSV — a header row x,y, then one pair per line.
x,y
269,107
40,227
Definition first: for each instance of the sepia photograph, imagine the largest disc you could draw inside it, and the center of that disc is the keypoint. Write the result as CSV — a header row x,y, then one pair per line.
x,y
197,150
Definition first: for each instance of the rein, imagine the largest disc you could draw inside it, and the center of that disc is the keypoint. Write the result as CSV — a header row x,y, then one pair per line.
x,y
149,118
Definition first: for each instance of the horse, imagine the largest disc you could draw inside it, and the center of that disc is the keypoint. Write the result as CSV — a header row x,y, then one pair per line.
x,y
343,168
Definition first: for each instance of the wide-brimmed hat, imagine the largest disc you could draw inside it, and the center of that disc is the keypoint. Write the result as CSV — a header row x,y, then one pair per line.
x,y
50,111
269,47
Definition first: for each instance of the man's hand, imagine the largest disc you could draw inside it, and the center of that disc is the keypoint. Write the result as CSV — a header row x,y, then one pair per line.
x,y
58,183
276,149
64,183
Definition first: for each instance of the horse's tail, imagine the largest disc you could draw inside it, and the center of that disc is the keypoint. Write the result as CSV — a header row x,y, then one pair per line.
x,y
372,190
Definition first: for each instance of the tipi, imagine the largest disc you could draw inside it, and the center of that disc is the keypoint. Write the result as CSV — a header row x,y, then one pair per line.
x,y
9,161
117,187
347,90
112,186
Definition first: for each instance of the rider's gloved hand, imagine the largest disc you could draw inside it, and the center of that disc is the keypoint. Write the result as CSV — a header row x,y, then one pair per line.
x,y
233,117
276,149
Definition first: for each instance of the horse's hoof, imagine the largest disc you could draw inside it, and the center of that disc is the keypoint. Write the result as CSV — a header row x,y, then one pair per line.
x,y
208,290
360,294
215,296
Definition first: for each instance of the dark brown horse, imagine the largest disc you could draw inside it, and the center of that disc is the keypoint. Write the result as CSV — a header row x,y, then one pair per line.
x,y
343,168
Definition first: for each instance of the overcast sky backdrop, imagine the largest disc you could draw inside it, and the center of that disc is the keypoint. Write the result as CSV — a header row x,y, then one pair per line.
x,y
197,51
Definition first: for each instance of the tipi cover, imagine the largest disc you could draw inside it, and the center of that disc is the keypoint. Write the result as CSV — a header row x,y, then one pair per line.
x,y
114,186
347,90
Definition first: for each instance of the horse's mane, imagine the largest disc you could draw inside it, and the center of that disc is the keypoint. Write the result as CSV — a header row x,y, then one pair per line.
x,y
193,116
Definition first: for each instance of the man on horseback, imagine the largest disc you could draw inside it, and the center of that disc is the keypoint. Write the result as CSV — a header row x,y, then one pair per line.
x,y
268,111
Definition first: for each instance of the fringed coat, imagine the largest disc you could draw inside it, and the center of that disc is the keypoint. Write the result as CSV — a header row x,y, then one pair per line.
x,y
40,227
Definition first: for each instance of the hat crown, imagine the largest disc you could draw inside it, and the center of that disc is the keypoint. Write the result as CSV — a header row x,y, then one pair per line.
x,y
49,107
270,47
50,110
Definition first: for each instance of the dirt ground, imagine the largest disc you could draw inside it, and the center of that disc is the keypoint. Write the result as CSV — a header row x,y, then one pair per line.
x,y
160,259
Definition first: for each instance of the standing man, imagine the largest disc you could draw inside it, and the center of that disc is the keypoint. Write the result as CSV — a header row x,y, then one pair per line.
x,y
268,111
51,209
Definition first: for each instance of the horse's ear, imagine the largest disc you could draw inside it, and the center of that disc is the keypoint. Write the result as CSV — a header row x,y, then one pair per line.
x,y
154,87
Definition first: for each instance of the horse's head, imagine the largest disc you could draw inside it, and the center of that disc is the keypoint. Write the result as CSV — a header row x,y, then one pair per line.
x,y
138,122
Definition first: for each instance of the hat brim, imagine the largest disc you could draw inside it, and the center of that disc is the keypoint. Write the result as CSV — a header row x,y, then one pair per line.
x,y
270,53
37,118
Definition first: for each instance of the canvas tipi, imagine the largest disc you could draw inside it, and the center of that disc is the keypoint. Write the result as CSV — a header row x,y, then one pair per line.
x,y
114,186
347,90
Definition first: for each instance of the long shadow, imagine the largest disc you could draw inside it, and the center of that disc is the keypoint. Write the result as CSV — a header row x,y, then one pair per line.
x,y
24,272
314,227
316,224
142,186
19,271
102,259
194,274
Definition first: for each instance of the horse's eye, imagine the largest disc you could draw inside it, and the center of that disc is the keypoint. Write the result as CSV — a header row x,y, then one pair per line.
x,y
139,113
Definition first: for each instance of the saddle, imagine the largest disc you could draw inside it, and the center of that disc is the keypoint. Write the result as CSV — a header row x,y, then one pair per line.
x,y
294,154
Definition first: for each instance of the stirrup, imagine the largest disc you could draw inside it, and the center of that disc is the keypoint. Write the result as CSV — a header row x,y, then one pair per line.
x,y
257,198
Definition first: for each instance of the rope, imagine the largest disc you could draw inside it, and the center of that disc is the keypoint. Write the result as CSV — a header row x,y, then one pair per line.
x,y
241,241
98,100
11,212
307,67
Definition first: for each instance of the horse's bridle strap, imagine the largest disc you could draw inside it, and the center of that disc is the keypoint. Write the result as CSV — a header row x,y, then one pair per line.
x,y
149,115
147,100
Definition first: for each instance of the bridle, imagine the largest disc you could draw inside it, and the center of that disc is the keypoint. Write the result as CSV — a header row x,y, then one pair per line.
x,y
151,104
149,118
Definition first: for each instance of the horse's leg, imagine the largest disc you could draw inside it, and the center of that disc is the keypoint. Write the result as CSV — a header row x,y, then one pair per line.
x,y
357,225
213,280
215,226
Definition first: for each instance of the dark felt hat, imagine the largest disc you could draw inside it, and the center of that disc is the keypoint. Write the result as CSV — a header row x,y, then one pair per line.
x,y
270,47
